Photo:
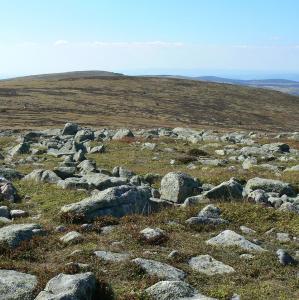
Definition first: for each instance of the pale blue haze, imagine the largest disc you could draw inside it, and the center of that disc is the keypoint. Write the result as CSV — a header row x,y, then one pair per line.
x,y
241,38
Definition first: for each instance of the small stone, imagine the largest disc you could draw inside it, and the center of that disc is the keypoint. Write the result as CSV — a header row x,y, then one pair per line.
x,y
283,237
285,258
247,230
152,233
208,265
247,256
231,238
18,213
159,269
60,228
72,237
112,256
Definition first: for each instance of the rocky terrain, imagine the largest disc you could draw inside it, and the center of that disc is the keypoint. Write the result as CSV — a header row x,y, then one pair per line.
x,y
162,213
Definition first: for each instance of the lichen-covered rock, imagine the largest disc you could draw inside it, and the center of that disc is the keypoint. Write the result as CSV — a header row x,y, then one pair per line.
x,y
174,290
9,174
16,285
161,270
176,187
269,185
208,265
231,238
209,215
112,256
123,133
72,237
228,190
70,287
7,191
41,175
115,201
13,235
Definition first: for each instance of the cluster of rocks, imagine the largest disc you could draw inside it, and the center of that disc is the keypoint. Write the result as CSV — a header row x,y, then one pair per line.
x,y
120,192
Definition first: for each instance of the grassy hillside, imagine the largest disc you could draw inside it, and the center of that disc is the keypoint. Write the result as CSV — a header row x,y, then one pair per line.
x,y
99,100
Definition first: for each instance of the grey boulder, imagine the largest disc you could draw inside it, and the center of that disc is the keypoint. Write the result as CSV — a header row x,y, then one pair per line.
x,y
123,133
209,215
70,129
269,185
115,201
231,238
70,287
228,190
13,235
206,264
174,290
41,175
160,270
177,186
16,285
112,256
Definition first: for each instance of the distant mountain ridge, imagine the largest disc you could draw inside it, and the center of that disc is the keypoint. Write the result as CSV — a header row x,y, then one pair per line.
x,y
281,85
69,75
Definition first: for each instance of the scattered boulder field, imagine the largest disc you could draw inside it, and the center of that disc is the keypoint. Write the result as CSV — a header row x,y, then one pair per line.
x,y
161,214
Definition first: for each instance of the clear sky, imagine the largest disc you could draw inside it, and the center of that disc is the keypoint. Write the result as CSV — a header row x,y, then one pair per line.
x,y
192,37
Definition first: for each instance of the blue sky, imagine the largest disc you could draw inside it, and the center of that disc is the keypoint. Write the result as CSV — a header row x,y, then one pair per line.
x,y
237,38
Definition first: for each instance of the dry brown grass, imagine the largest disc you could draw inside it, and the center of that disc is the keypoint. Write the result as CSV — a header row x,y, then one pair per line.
x,y
144,102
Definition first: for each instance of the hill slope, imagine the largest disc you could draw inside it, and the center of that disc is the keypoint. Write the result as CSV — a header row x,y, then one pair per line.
x,y
281,85
40,101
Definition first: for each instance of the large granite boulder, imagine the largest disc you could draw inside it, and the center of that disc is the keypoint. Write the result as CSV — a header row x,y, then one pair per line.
x,y
115,201
176,187
228,190
16,285
70,287
13,235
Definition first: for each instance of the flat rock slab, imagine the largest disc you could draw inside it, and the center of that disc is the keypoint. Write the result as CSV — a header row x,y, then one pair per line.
x,y
231,238
112,256
114,201
74,287
208,265
13,235
16,285
161,270
174,290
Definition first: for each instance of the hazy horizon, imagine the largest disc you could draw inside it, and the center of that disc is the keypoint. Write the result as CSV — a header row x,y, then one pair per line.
x,y
229,74
235,39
